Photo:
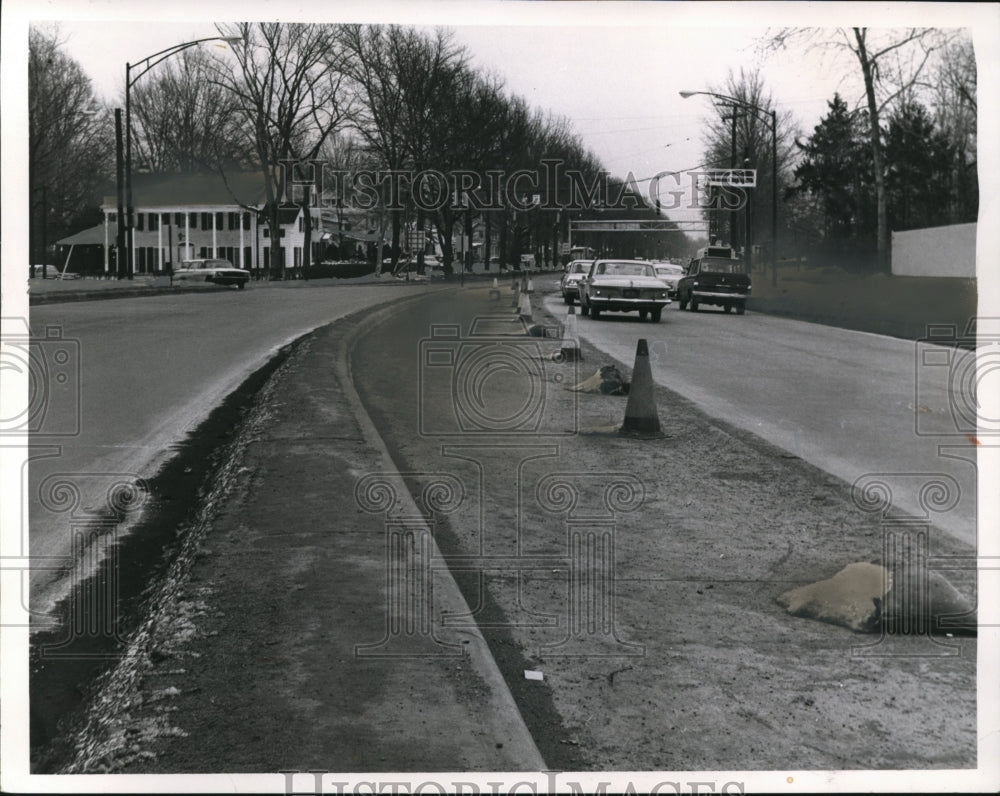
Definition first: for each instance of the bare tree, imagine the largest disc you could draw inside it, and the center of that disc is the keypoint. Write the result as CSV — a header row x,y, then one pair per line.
x,y
892,63
287,85
955,105
69,151
741,137
185,122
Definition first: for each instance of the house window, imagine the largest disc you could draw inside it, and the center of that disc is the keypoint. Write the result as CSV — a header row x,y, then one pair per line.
x,y
112,218
204,253
219,220
178,219
267,232
193,220
138,221
206,221
234,220
246,221
300,223
154,222
297,256
247,257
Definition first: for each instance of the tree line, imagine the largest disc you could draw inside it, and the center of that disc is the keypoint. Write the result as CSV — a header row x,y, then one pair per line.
x,y
900,155
381,98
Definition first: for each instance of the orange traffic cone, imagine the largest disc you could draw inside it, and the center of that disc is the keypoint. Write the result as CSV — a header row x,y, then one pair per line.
x,y
640,412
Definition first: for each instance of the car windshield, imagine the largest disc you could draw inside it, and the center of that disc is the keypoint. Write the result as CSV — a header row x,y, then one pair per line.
x,y
623,269
669,270
711,265
579,268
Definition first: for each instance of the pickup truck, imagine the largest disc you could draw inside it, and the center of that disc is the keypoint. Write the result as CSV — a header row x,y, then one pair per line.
x,y
721,281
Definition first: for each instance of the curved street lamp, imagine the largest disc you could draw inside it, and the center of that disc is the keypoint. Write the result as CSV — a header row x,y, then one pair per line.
x,y
148,62
773,116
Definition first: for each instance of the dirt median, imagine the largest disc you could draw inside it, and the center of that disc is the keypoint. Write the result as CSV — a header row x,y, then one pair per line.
x,y
678,657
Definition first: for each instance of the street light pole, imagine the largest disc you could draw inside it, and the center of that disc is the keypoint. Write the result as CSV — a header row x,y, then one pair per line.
x,y
149,61
774,167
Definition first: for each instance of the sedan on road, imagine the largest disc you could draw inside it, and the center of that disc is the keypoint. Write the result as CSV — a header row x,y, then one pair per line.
x,y
570,282
218,272
670,274
623,286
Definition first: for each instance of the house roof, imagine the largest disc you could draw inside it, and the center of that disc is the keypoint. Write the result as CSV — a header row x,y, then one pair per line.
x,y
90,237
191,190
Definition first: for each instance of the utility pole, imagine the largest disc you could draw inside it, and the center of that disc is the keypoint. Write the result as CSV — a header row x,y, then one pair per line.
x,y
120,255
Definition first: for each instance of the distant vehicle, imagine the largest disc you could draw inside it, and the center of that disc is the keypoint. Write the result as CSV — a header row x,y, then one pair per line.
x,y
570,282
671,274
52,272
622,286
218,272
582,253
715,277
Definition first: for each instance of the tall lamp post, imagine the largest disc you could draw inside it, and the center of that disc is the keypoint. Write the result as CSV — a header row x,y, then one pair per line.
x,y
773,116
147,63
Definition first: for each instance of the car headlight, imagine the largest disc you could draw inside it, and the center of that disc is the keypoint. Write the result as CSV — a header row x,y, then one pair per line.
x,y
663,294
597,291
694,284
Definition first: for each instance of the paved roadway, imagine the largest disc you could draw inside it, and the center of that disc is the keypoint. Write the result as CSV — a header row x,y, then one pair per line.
x,y
847,402
151,369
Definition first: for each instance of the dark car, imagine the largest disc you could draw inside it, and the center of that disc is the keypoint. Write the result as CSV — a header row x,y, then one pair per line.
x,y
715,277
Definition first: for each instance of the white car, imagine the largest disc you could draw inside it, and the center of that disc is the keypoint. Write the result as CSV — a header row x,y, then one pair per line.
x,y
218,272
570,282
623,286
670,274
51,272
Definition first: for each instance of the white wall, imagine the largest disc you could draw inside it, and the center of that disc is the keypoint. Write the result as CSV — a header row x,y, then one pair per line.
x,y
935,251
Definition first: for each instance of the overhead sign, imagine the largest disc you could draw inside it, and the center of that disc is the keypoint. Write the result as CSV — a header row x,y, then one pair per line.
x,y
731,178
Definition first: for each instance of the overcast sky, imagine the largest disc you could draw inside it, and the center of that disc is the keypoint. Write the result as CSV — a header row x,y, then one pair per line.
x,y
613,69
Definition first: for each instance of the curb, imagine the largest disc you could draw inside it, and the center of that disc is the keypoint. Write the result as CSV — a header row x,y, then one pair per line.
x,y
507,714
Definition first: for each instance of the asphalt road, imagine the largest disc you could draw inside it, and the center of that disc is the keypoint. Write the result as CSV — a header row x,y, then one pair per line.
x,y
143,373
857,405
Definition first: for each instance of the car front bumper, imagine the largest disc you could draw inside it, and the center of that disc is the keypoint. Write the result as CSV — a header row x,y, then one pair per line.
x,y
619,304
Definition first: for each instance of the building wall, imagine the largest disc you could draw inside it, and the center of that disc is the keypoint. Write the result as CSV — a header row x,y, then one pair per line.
x,y
173,234
935,251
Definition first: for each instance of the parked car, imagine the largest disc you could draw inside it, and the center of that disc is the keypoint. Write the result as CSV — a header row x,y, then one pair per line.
x,y
219,272
622,286
712,278
52,272
570,282
670,274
